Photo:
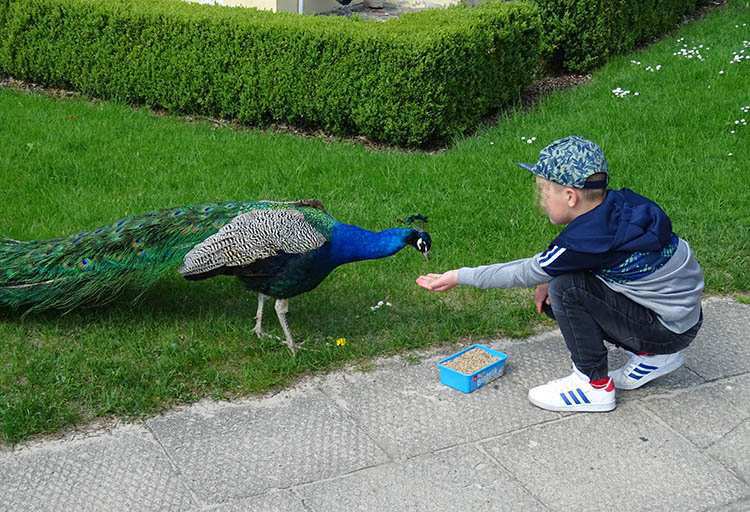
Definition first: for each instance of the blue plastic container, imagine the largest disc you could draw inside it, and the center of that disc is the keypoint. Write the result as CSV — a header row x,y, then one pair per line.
x,y
467,383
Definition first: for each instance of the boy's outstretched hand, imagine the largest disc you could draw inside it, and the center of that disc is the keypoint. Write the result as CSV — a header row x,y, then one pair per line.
x,y
439,282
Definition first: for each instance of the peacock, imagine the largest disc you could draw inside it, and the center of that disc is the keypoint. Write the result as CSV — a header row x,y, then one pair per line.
x,y
277,249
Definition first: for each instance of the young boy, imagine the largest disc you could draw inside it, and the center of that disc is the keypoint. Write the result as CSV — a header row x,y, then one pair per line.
x,y
616,273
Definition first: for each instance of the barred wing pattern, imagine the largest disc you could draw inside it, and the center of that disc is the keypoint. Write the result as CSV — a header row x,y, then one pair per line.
x,y
251,237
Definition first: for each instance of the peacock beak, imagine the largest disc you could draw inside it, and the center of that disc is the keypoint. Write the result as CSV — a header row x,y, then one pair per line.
x,y
426,255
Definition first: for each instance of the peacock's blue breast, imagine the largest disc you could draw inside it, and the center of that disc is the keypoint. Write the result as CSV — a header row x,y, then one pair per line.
x,y
286,275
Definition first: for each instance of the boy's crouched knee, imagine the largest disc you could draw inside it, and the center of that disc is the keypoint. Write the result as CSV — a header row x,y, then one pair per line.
x,y
565,283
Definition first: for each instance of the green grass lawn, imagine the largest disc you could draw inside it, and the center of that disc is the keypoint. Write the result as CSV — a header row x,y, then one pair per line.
x,y
70,164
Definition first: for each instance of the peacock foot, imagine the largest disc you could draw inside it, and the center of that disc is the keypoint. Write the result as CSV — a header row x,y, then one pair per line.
x,y
292,346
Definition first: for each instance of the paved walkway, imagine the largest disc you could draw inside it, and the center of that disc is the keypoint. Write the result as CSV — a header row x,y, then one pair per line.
x,y
394,439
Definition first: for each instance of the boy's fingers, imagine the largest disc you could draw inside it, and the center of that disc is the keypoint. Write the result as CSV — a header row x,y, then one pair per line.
x,y
424,283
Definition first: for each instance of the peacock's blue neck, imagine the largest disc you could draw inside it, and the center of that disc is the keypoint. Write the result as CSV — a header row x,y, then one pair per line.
x,y
351,243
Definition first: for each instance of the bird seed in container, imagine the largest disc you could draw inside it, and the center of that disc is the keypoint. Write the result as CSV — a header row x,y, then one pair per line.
x,y
471,361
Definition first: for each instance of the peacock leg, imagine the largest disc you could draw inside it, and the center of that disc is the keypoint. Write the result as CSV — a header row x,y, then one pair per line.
x,y
282,308
259,315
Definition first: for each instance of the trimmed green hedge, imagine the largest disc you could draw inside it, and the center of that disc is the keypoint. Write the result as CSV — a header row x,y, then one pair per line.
x,y
582,34
414,81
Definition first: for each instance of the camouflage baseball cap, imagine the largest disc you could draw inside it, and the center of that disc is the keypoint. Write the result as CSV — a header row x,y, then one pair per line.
x,y
570,161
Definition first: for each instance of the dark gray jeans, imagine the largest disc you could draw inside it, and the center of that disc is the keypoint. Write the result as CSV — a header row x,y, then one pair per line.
x,y
588,312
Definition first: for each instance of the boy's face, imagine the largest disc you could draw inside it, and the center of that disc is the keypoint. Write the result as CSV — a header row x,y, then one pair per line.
x,y
556,201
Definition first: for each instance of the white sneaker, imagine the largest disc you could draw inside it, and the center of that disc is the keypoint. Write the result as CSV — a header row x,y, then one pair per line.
x,y
574,393
642,369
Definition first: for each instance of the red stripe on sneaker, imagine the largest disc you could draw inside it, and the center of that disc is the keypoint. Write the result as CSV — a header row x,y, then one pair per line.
x,y
645,354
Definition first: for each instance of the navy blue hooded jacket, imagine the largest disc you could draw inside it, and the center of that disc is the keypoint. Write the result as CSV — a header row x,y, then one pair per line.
x,y
625,238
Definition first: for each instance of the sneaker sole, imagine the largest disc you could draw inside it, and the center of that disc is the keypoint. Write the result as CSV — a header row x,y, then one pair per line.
x,y
575,408
661,372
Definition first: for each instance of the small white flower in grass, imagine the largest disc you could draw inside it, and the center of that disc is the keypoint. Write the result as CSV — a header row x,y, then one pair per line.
x,y
730,154
379,305
636,93
620,92
690,53
721,72
731,131
492,143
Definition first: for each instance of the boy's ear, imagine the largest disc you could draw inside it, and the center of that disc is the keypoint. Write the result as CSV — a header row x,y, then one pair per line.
x,y
572,197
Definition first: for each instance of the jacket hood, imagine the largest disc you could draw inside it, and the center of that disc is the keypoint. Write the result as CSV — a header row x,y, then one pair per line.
x,y
624,221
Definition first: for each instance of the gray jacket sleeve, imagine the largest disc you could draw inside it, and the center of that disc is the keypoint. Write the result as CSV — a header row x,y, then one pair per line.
x,y
523,273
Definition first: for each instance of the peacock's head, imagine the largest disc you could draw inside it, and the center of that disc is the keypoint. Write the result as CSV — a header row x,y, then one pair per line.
x,y
418,238
421,241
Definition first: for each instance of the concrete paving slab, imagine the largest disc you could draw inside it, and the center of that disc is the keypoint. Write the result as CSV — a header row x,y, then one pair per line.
x,y
738,506
733,450
721,348
122,471
703,415
231,451
536,360
737,391
460,478
274,501
409,412
622,459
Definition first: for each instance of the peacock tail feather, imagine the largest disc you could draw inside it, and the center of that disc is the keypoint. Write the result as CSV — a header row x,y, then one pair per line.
x,y
134,252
